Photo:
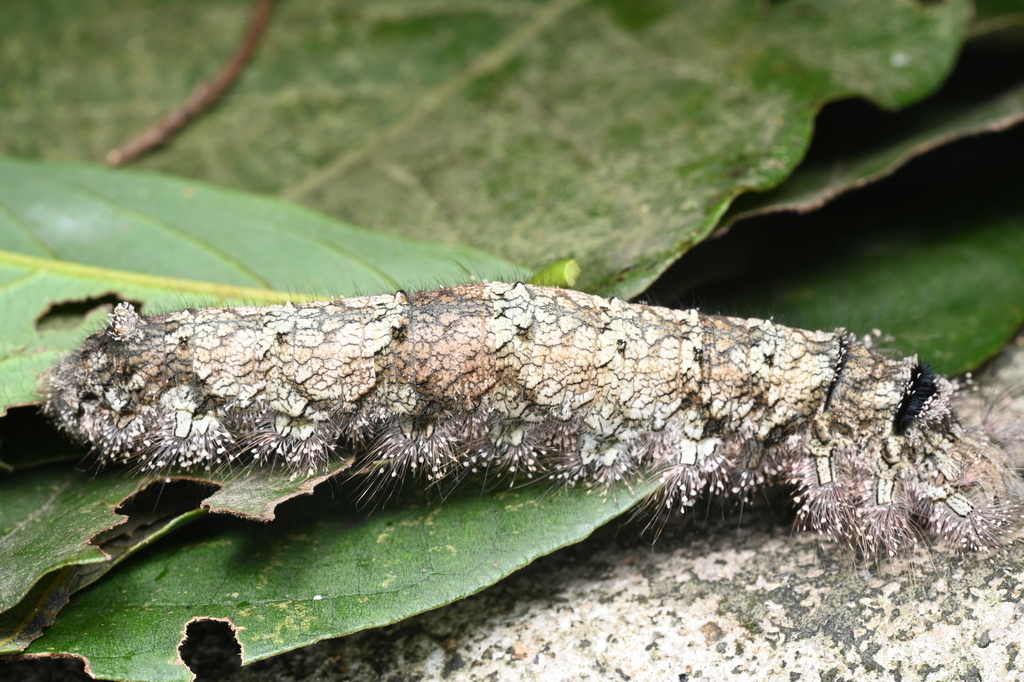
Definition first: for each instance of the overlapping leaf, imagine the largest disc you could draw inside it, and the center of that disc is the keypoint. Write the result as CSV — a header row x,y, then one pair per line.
x,y
613,132
936,265
55,518
857,144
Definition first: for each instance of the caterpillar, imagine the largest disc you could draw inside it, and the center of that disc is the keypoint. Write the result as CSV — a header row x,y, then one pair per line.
x,y
521,380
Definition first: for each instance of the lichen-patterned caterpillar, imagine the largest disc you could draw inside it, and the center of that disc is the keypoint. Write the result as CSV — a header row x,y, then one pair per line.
x,y
535,381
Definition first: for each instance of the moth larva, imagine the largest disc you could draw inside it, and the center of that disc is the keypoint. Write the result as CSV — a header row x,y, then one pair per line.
x,y
534,381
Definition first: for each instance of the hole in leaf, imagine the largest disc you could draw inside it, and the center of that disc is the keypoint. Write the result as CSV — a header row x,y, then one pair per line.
x,y
27,438
68,315
167,497
210,650
57,667
151,512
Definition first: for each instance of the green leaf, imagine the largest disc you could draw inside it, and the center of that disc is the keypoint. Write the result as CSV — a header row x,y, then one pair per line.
x,y
171,227
612,132
85,227
53,518
26,620
998,14
868,145
931,258
47,518
323,571
256,496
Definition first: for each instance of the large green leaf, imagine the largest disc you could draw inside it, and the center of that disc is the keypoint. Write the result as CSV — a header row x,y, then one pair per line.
x,y
178,228
855,143
613,132
65,216
39,514
323,571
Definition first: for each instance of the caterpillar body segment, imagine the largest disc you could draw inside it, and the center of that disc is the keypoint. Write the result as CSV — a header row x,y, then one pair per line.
x,y
533,382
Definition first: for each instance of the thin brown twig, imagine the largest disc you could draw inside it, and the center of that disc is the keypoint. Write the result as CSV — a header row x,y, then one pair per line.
x,y
201,97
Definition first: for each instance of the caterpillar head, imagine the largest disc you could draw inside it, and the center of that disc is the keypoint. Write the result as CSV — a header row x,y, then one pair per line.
x,y
911,469
91,393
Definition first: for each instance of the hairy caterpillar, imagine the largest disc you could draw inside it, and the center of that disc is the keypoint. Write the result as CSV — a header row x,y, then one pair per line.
x,y
534,381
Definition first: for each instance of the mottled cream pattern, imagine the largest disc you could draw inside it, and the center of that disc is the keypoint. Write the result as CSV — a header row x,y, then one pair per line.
x,y
527,381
